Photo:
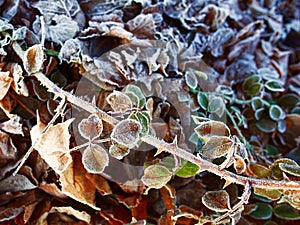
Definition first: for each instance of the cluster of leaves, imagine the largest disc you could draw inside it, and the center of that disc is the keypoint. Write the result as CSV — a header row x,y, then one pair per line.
x,y
250,77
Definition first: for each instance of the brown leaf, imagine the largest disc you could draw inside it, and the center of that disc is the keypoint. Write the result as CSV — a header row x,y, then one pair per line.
x,y
52,190
57,136
216,147
76,185
5,82
81,215
91,127
217,200
33,59
16,183
7,149
212,128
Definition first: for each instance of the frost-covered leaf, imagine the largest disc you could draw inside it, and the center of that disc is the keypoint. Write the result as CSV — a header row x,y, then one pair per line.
x,y
71,51
216,147
267,126
91,127
290,169
16,183
66,7
144,119
216,105
156,176
202,100
126,133
239,164
119,101
81,215
263,211
33,59
252,85
7,214
212,128
18,85
53,145
142,26
118,152
188,169
59,28
5,82
259,171
95,159
272,194
286,212
276,113
274,85
136,90
218,201
191,79
276,170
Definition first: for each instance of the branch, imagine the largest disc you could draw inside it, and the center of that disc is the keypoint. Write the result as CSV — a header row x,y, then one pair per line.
x,y
171,148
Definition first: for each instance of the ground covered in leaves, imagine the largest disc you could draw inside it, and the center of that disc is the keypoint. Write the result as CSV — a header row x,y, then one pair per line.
x,y
233,61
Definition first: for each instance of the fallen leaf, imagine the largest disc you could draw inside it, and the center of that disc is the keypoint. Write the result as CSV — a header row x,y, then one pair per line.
x,y
57,136
76,184
16,183
5,82
81,215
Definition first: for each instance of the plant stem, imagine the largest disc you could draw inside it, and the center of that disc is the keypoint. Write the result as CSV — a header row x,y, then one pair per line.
x,y
172,148
213,168
74,100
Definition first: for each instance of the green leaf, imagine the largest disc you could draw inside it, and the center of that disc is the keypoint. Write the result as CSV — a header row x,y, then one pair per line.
x,y
144,119
286,212
274,85
202,100
252,85
215,104
272,194
256,103
267,126
254,89
191,80
188,169
136,90
216,147
260,171
289,101
276,171
290,169
281,126
218,201
276,113
272,150
262,212
156,176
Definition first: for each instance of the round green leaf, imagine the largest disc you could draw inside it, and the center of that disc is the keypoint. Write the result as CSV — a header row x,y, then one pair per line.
x,y
156,176
276,113
286,212
202,100
267,126
274,85
138,92
263,211
188,169
191,79
214,105
289,101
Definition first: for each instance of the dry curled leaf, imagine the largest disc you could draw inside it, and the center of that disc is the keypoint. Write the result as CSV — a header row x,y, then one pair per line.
x,y
81,215
16,183
53,145
216,147
95,159
91,127
33,58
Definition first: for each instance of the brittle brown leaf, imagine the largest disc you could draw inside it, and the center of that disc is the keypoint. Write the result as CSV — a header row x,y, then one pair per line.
x,y
212,128
16,183
33,59
156,176
119,101
217,200
53,145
